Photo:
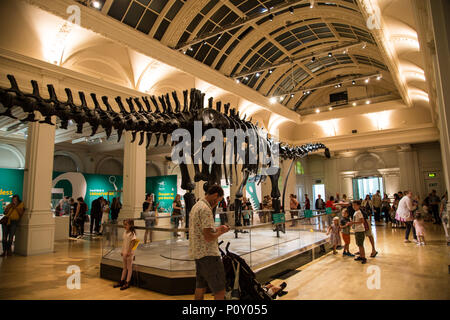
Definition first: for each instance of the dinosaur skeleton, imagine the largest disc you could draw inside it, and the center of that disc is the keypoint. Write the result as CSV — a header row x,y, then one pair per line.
x,y
162,120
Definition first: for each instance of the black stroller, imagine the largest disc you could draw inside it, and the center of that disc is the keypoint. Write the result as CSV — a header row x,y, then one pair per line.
x,y
241,283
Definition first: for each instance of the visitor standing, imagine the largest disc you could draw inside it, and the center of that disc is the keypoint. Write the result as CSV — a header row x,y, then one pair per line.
x,y
345,228
128,244
66,206
149,213
360,231
12,215
176,214
404,213
367,206
320,204
204,247
223,215
293,205
307,203
386,208
376,202
334,232
80,216
420,229
368,227
96,212
434,203
115,209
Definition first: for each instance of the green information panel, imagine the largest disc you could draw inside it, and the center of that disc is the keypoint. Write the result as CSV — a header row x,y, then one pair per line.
x,y
278,218
308,213
164,188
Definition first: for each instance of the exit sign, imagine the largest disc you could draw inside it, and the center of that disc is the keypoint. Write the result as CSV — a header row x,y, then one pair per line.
x,y
432,175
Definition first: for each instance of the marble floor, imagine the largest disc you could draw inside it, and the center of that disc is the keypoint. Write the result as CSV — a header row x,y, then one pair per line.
x,y
406,272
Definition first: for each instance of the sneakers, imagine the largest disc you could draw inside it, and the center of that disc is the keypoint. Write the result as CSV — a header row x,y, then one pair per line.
x,y
407,241
363,260
348,254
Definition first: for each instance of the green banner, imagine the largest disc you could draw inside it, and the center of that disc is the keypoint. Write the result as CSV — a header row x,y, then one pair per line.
x,y
11,183
164,188
89,186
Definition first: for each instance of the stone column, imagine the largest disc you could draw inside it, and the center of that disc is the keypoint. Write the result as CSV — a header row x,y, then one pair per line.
x,y
347,184
391,179
36,230
409,169
441,28
134,166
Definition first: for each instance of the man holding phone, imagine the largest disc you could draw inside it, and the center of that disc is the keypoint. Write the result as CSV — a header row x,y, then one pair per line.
x,y
204,247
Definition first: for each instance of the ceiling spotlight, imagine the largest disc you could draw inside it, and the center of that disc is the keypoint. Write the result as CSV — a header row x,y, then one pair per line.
x,y
281,98
96,4
354,104
237,81
271,17
367,80
184,51
190,49
270,71
330,108
246,78
292,95
291,10
308,92
379,77
330,54
257,74
364,45
317,110
368,102
304,93
273,100
353,82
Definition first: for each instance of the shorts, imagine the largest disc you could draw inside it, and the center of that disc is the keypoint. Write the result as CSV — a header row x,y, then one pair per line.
x,y
210,273
359,237
148,222
346,238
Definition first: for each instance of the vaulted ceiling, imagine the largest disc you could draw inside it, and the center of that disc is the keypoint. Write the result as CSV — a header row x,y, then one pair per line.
x,y
296,51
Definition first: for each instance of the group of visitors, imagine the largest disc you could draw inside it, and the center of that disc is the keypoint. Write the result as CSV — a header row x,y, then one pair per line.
x,y
100,212
356,217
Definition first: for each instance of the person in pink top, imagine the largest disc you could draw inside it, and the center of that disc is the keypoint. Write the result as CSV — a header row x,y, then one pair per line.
x,y
420,229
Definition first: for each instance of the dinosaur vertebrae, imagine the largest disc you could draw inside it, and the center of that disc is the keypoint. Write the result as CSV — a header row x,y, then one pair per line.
x,y
163,119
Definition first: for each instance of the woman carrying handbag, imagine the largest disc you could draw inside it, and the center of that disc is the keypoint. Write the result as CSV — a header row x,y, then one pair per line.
x,y
13,214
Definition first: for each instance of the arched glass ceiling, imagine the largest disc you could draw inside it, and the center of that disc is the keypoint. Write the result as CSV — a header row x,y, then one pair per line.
x,y
237,23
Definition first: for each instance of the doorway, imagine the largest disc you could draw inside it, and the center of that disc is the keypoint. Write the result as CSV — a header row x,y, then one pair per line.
x,y
367,186
318,189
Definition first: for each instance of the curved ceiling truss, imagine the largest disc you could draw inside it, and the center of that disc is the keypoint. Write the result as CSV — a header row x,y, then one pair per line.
x,y
262,40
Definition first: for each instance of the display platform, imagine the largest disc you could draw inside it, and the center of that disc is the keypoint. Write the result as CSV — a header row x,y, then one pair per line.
x,y
166,267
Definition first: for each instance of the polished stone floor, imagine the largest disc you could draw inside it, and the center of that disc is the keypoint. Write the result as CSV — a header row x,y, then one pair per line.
x,y
407,272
